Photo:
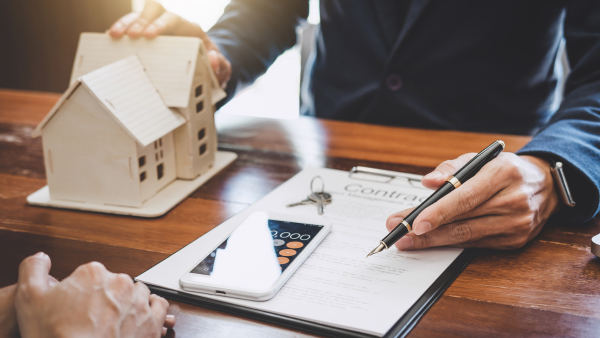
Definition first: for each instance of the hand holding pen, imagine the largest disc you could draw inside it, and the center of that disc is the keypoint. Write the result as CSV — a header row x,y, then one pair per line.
x,y
503,206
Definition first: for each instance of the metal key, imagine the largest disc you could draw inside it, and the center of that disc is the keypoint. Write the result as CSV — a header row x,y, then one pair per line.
x,y
312,200
303,202
320,199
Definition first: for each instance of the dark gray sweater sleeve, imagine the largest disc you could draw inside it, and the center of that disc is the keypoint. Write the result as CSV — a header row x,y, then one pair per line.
x,y
253,33
573,133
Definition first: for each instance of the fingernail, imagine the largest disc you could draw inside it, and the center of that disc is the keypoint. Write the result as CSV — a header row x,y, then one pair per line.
x,y
39,255
164,331
170,317
422,228
118,26
433,175
151,30
135,28
404,243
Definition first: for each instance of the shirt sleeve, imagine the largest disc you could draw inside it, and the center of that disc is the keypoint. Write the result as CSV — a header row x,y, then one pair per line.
x,y
573,133
253,33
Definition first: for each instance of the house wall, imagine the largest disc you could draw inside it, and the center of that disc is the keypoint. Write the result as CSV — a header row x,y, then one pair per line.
x,y
190,161
159,153
88,156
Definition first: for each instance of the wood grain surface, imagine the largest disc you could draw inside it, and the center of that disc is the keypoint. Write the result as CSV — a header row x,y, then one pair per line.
x,y
551,287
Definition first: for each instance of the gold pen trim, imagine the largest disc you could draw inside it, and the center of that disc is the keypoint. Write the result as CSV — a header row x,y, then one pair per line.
x,y
407,225
454,181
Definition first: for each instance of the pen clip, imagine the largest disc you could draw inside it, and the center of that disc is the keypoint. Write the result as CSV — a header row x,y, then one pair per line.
x,y
386,176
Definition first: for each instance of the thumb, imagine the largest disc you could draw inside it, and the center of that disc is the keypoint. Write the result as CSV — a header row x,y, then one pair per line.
x,y
33,272
221,67
215,62
436,178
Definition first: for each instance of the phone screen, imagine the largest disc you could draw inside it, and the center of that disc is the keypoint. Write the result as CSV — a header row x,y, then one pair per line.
x,y
256,253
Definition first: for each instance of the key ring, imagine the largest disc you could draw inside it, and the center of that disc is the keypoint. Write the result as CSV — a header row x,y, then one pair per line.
x,y
322,184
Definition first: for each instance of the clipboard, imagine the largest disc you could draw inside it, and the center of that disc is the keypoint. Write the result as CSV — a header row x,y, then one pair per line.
x,y
401,328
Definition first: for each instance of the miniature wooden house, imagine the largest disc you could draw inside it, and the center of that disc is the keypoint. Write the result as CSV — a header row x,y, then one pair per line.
x,y
110,138
179,69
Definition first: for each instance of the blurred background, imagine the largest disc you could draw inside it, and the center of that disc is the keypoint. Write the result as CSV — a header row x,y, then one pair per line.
x,y
38,40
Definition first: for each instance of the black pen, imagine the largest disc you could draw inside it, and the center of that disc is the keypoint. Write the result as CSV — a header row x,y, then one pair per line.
x,y
453,182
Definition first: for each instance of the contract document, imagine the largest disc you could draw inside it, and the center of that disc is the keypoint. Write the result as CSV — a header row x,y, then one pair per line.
x,y
337,285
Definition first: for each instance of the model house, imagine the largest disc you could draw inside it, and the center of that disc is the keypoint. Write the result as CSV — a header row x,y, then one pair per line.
x,y
138,115
179,69
109,139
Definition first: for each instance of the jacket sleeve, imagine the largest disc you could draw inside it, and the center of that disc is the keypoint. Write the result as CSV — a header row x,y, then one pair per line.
x,y
573,133
253,33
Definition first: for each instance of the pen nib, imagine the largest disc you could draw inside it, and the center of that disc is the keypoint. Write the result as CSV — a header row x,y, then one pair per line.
x,y
380,247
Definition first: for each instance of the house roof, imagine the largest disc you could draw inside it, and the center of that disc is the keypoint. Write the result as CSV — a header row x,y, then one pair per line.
x,y
170,62
125,91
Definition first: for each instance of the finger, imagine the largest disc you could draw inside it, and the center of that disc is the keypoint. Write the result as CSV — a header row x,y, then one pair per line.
x,y
33,272
436,178
52,281
158,306
220,65
224,71
170,321
501,203
467,197
152,11
394,219
118,29
142,289
215,62
92,272
455,233
166,24
186,28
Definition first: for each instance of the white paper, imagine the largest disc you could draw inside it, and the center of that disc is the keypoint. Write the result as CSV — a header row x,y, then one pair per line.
x,y
337,285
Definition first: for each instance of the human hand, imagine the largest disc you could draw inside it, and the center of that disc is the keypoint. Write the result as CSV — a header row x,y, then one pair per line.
x,y
8,316
91,302
154,20
503,206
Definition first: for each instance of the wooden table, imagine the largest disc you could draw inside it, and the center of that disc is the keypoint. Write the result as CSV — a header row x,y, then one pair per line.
x,y
551,287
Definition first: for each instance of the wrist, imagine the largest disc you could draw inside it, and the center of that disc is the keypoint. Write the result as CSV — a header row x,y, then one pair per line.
x,y
8,315
549,191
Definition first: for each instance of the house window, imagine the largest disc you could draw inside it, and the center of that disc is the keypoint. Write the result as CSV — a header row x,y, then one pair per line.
x,y
160,171
160,141
155,144
141,161
156,157
199,90
203,149
199,106
143,176
161,153
201,134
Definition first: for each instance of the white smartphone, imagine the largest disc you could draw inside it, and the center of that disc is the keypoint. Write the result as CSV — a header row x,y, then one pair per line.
x,y
257,258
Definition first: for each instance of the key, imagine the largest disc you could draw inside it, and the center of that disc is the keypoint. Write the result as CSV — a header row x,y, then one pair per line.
x,y
320,204
310,200
303,202
321,199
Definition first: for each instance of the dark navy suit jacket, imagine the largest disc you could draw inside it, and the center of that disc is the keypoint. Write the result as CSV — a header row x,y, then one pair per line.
x,y
485,66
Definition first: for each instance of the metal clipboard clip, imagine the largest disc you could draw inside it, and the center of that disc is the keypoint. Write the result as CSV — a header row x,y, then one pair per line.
x,y
386,176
